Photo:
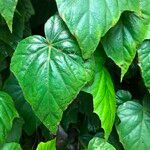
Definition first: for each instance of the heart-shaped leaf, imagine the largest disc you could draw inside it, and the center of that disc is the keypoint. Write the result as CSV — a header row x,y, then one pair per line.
x,y
91,21
134,129
50,71
121,42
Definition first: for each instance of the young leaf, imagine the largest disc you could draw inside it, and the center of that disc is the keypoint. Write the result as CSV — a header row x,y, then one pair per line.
x,y
134,131
103,93
50,71
7,9
11,146
99,144
89,20
144,62
50,145
7,115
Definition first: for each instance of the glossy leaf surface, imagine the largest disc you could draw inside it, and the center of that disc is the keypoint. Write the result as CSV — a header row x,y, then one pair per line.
x,y
51,71
121,42
103,93
134,129
91,21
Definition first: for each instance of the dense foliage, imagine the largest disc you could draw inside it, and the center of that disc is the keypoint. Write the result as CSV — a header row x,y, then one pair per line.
x,y
75,74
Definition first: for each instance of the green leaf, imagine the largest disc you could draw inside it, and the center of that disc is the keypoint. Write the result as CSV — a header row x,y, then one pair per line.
x,y
123,96
7,9
70,116
3,65
12,87
103,93
0,81
99,144
146,15
50,145
16,131
26,9
51,71
145,7
89,20
27,30
5,50
85,103
9,38
121,42
92,122
134,131
11,146
7,115
146,102
144,62
148,34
